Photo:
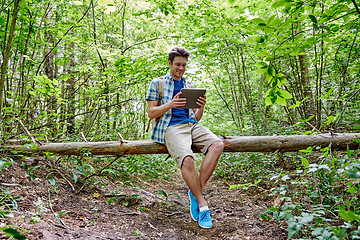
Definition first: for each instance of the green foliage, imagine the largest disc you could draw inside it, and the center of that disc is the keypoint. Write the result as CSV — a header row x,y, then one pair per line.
x,y
9,205
4,163
321,200
249,168
278,67
13,233
166,196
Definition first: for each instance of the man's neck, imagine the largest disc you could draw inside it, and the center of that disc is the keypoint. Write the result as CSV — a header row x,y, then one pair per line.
x,y
175,78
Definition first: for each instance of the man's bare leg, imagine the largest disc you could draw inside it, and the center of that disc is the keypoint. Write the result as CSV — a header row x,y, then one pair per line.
x,y
192,179
195,182
209,163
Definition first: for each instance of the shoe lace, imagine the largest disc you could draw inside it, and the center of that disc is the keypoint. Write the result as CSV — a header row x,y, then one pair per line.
x,y
206,215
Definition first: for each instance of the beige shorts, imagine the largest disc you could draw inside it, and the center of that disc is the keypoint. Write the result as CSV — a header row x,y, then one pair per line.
x,y
180,137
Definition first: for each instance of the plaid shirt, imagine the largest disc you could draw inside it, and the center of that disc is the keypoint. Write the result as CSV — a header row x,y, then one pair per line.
x,y
159,130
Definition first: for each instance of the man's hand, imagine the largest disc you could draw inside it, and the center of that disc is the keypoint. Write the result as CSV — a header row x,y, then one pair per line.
x,y
201,101
177,101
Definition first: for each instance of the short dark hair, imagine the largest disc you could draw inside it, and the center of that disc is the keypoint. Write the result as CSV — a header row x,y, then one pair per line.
x,y
178,52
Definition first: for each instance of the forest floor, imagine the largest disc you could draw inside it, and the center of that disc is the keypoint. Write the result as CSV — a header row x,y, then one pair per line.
x,y
118,211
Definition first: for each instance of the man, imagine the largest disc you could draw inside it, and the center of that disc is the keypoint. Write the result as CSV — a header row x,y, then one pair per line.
x,y
178,129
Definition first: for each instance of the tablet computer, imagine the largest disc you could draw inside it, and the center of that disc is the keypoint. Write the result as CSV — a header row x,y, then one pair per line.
x,y
191,95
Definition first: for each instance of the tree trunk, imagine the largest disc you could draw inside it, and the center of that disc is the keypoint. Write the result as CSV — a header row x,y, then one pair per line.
x,y
49,69
71,90
306,85
6,55
339,141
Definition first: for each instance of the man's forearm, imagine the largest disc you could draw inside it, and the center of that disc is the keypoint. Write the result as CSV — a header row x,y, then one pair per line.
x,y
198,114
157,111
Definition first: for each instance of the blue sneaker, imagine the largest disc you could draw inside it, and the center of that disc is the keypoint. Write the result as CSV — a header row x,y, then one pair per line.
x,y
194,207
205,219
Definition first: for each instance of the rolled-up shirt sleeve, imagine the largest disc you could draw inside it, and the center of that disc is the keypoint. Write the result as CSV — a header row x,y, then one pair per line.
x,y
153,90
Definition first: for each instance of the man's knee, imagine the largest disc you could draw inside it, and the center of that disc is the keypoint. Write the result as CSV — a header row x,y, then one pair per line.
x,y
217,147
188,162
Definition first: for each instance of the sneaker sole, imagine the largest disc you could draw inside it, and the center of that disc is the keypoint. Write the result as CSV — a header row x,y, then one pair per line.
x,y
205,227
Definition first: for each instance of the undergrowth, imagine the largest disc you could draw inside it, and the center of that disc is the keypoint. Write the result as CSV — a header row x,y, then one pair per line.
x,y
315,193
319,200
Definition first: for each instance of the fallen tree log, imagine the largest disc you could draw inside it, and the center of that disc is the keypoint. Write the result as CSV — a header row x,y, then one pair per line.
x,y
280,143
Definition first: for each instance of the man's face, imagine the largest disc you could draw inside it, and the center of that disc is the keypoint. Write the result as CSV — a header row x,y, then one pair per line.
x,y
177,67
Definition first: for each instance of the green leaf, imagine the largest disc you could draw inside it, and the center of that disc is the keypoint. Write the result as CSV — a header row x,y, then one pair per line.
x,y
261,65
352,190
59,214
307,151
4,163
271,71
279,3
75,177
162,192
268,101
258,21
348,216
330,119
284,94
13,233
175,194
261,70
327,94
281,101
52,181
313,19
305,162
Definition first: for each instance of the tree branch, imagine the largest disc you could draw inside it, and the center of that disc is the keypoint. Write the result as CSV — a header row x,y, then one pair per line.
x,y
356,6
71,28
145,41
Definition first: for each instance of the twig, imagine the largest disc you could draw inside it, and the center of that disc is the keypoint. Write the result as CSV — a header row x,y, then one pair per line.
x,y
28,133
225,137
173,213
342,112
10,184
356,6
55,45
98,172
57,170
313,127
122,214
83,136
50,205
115,195
121,139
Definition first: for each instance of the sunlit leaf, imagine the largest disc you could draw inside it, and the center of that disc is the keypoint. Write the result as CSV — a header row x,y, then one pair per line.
x,y
284,94
305,162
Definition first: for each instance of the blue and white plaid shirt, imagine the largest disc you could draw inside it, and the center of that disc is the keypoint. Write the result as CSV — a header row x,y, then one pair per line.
x,y
159,130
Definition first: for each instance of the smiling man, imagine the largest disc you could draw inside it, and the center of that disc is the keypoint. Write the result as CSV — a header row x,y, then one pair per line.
x,y
179,129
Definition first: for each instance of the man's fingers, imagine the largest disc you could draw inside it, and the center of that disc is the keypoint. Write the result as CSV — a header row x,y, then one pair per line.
x,y
180,102
177,95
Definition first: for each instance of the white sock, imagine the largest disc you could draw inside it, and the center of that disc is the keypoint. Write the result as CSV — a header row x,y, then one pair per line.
x,y
204,208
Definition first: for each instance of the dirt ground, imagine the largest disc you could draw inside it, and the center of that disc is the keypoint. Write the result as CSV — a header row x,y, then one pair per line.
x,y
133,212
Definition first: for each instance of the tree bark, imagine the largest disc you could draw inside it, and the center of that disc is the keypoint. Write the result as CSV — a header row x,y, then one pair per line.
x,y
337,141
7,50
306,83
71,89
